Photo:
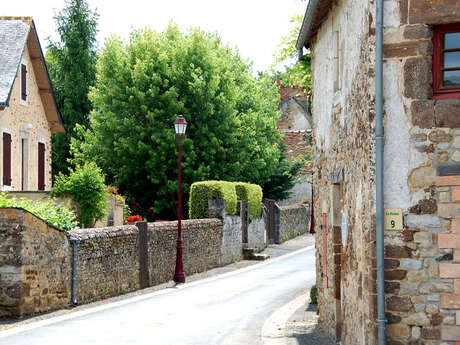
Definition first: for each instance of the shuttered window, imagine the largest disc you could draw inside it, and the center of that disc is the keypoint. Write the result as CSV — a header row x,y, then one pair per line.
x,y
41,166
23,82
6,159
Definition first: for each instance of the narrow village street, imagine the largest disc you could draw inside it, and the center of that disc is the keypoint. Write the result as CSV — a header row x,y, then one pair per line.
x,y
229,308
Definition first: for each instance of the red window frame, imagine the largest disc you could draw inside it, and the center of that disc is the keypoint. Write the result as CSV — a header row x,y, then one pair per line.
x,y
438,34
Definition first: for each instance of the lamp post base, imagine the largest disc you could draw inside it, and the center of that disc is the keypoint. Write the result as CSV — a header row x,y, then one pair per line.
x,y
179,275
179,278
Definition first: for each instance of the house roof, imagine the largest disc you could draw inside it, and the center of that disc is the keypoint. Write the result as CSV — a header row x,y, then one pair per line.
x,y
17,33
315,14
296,143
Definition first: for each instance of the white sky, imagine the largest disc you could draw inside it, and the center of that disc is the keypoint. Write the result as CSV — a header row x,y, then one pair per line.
x,y
254,26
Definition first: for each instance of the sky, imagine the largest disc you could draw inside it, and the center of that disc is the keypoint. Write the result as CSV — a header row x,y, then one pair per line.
x,y
254,26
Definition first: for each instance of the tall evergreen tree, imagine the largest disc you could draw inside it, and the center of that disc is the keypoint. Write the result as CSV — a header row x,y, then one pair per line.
x,y
72,67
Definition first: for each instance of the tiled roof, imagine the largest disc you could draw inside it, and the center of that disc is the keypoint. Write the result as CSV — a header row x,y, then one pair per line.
x,y
13,37
296,143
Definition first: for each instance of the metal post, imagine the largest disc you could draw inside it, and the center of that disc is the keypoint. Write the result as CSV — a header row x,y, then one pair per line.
x,y
179,275
379,137
74,242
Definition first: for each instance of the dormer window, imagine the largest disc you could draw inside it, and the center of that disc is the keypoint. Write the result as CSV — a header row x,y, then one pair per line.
x,y
23,84
446,61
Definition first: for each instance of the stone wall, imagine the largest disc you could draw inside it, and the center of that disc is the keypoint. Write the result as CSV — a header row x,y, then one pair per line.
x,y
344,171
232,240
35,265
294,221
257,234
36,259
107,262
202,240
233,227
422,150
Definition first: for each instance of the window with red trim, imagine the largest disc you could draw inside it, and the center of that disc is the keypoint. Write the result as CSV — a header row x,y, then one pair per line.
x,y
446,61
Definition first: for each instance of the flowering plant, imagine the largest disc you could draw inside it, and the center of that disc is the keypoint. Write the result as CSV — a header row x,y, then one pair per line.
x,y
111,189
133,219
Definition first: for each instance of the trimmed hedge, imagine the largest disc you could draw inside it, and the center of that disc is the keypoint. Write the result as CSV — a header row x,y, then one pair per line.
x,y
252,193
201,192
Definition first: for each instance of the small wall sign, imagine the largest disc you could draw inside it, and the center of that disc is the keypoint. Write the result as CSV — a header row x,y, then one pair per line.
x,y
393,219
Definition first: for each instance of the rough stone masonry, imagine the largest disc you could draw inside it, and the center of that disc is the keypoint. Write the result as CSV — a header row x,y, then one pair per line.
x,y
422,174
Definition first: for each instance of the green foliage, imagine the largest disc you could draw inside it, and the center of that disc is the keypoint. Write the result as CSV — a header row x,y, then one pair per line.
x,y
86,186
72,67
286,67
201,192
314,295
49,211
252,193
126,211
143,85
284,178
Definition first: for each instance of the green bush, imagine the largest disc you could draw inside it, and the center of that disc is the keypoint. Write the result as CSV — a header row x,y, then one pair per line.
x,y
252,193
49,211
201,192
314,295
86,186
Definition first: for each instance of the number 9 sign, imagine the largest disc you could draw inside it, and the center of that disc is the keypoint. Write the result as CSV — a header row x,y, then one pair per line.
x,y
393,219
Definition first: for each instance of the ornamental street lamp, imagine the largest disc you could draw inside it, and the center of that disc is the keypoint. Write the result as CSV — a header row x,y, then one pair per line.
x,y
180,125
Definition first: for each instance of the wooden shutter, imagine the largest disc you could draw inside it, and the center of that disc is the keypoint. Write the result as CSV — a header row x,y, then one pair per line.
x,y
23,82
41,166
6,159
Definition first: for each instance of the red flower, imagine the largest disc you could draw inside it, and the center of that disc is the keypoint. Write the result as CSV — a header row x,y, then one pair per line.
x,y
133,219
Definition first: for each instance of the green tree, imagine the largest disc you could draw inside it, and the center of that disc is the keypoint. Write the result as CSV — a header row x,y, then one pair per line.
x,y
141,88
286,65
71,63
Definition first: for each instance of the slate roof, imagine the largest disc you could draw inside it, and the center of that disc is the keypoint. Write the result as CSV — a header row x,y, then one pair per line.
x,y
13,38
17,33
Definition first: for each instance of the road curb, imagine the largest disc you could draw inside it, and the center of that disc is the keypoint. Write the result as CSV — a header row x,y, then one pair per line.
x,y
273,330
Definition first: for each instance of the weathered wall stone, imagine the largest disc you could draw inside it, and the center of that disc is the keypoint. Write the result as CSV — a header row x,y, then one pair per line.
x,y
36,259
35,267
294,221
433,11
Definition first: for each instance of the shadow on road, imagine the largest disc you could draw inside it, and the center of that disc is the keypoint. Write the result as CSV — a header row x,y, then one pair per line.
x,y
303,328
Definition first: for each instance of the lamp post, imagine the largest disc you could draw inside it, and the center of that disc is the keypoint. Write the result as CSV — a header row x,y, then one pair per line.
x,y
180,125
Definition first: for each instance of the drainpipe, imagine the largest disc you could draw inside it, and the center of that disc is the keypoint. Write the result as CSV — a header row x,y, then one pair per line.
x,y
379,138
74,242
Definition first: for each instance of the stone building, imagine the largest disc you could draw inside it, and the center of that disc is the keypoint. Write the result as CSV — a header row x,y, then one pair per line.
x,y
295,123
421,92
28,110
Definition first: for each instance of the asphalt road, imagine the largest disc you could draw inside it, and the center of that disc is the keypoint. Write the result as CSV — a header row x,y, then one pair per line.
x,y
225,310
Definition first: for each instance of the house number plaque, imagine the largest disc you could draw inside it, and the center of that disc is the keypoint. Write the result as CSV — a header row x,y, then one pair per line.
x,y
393,219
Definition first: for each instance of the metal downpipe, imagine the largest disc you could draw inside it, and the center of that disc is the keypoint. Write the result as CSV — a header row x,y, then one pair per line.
x,y
379,138
74,242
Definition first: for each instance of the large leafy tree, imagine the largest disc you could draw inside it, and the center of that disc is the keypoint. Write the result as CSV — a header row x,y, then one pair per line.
x,y
286,65
143,85
71,63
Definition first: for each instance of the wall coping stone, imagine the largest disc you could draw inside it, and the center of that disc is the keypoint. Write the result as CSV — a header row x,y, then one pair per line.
x,y
113,231
293,206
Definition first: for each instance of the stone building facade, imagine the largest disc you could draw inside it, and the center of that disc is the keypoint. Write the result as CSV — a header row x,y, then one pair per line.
x,y
421,168
296,123
28,110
